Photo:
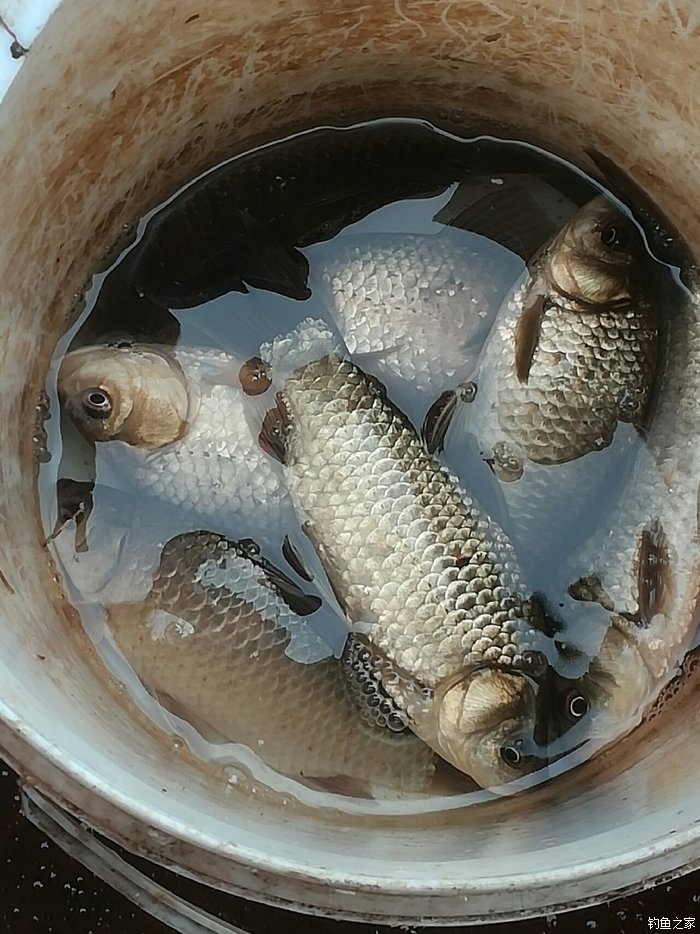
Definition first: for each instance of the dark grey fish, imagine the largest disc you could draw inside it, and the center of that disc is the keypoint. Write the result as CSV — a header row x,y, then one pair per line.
x,y
241,225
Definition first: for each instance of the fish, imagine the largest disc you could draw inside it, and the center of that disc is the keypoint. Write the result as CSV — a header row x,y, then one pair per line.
x,y
442,623
227,641
518,211
214,639
561,395
240,226
140,397
641,569
414,311
663,238
174,424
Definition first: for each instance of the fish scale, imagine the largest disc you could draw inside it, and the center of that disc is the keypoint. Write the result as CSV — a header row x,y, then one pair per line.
x,y
654,613
423,536
239,225
589,371
420,305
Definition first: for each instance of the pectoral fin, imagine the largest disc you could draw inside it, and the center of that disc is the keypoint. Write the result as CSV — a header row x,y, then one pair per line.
x,y
654,579
527,334
247,253
301,603
74,499
268,263
254,376
437,421
273,434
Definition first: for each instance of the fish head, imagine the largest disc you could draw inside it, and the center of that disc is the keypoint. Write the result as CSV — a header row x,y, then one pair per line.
x,y
599,693
485,725
595,257
619,683
597,707
133,394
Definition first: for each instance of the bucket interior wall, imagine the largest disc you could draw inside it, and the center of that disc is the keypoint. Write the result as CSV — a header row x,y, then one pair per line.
x,y
113,108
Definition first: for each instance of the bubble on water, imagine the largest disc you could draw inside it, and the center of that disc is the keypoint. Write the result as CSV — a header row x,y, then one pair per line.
x,y
234,776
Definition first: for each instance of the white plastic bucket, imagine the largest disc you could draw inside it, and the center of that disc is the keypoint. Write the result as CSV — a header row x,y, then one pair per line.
x,y
110,109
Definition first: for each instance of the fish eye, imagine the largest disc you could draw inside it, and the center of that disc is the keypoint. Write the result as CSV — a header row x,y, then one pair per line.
x,y
97,403
511,755
576,705
614,236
